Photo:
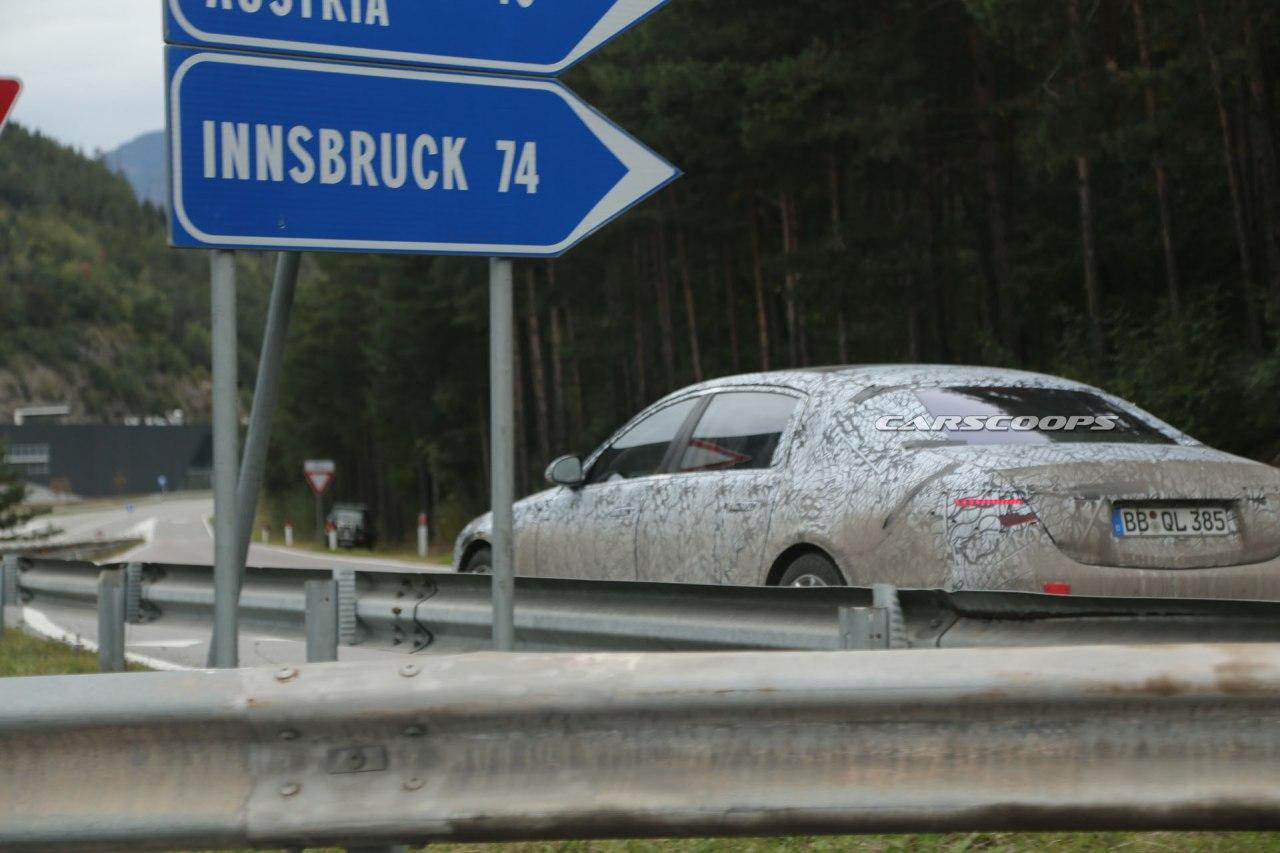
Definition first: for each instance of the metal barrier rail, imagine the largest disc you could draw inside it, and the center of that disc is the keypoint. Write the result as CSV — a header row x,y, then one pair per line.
x,y
448,613
511,747
87,550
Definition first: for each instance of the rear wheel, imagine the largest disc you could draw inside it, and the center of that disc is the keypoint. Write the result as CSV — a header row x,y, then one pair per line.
x,y
479,563
812,570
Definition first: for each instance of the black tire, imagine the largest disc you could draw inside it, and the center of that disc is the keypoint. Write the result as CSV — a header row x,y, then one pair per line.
x,y
812,570
480,562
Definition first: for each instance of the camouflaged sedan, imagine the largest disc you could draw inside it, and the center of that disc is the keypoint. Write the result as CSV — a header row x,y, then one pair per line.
x,y
938,477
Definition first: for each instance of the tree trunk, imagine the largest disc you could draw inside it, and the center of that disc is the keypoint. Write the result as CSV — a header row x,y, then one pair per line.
x,y
1265,151
575,380
557,381
935,296
757,265
731,311
1000,296
690,307
1248,277
838,246
1158,163
558,414
666,326
482,412
1084,176
787,207
913,319
538,372
521,430
1092,289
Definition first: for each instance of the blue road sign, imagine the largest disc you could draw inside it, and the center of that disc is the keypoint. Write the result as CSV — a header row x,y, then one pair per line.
x,y
296,155
542,37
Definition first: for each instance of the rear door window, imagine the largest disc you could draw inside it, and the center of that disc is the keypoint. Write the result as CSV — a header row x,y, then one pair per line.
x,y
738,431
639,451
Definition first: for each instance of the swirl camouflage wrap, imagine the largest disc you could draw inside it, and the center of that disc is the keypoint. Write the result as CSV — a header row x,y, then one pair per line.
x,y
919,476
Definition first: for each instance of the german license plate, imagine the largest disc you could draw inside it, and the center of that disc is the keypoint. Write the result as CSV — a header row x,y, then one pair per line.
x,y
1172,521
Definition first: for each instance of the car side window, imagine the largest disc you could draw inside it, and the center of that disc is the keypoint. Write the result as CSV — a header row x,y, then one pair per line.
x,y
738,431
640,450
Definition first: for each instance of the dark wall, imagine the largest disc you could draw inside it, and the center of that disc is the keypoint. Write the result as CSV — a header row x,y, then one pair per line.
x,y
99,460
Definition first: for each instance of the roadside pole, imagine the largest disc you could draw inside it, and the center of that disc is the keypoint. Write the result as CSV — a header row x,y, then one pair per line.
x,y
226,427
266,394
502,449
320,528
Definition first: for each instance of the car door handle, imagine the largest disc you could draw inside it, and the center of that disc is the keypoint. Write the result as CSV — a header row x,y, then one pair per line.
x,y
744,506
621,512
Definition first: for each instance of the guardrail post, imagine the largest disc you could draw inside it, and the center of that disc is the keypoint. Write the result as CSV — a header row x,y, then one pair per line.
x,y
322,621
4,591
111,609
133,594
10,594
347,628
885,596
863,628
880,626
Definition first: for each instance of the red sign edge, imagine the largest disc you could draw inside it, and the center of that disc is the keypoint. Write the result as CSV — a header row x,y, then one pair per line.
x,y
312,483
4,117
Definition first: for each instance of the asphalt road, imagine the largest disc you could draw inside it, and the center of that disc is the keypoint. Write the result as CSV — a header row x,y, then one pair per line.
x,y
177,530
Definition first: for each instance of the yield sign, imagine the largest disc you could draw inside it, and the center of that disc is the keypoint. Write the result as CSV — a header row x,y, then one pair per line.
x,y
10,87
319,473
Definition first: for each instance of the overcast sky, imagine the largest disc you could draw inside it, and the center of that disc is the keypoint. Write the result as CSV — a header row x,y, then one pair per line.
x,y
92,70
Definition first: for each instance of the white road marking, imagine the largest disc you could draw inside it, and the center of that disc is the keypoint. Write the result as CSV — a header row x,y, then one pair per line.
x,y
354,562
165,644
45,627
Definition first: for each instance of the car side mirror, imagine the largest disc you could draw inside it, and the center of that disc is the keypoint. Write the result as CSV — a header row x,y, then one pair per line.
x,y
566,471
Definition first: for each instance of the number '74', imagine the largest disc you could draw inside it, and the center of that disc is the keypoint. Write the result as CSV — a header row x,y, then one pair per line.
x,y
526,170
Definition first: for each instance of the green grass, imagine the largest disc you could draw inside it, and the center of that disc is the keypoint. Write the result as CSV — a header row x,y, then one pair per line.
x,y
21,654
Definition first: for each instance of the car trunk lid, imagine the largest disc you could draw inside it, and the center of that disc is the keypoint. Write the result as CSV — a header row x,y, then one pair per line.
x,y
1074,492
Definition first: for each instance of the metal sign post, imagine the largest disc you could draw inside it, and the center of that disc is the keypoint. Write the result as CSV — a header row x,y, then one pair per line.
x,y
502,449
266,393
226,435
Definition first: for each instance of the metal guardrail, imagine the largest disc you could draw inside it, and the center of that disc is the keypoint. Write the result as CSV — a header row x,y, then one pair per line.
x,y
503,747
90,549
446,613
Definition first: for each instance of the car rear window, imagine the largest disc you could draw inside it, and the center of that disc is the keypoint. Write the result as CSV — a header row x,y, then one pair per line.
x,y
993,415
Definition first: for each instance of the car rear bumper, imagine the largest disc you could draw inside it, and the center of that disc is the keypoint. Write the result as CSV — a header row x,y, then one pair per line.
x,y
1046,567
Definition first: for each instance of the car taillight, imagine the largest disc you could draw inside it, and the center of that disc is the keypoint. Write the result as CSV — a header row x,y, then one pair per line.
x,y
1007,519
990,502
1057,588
